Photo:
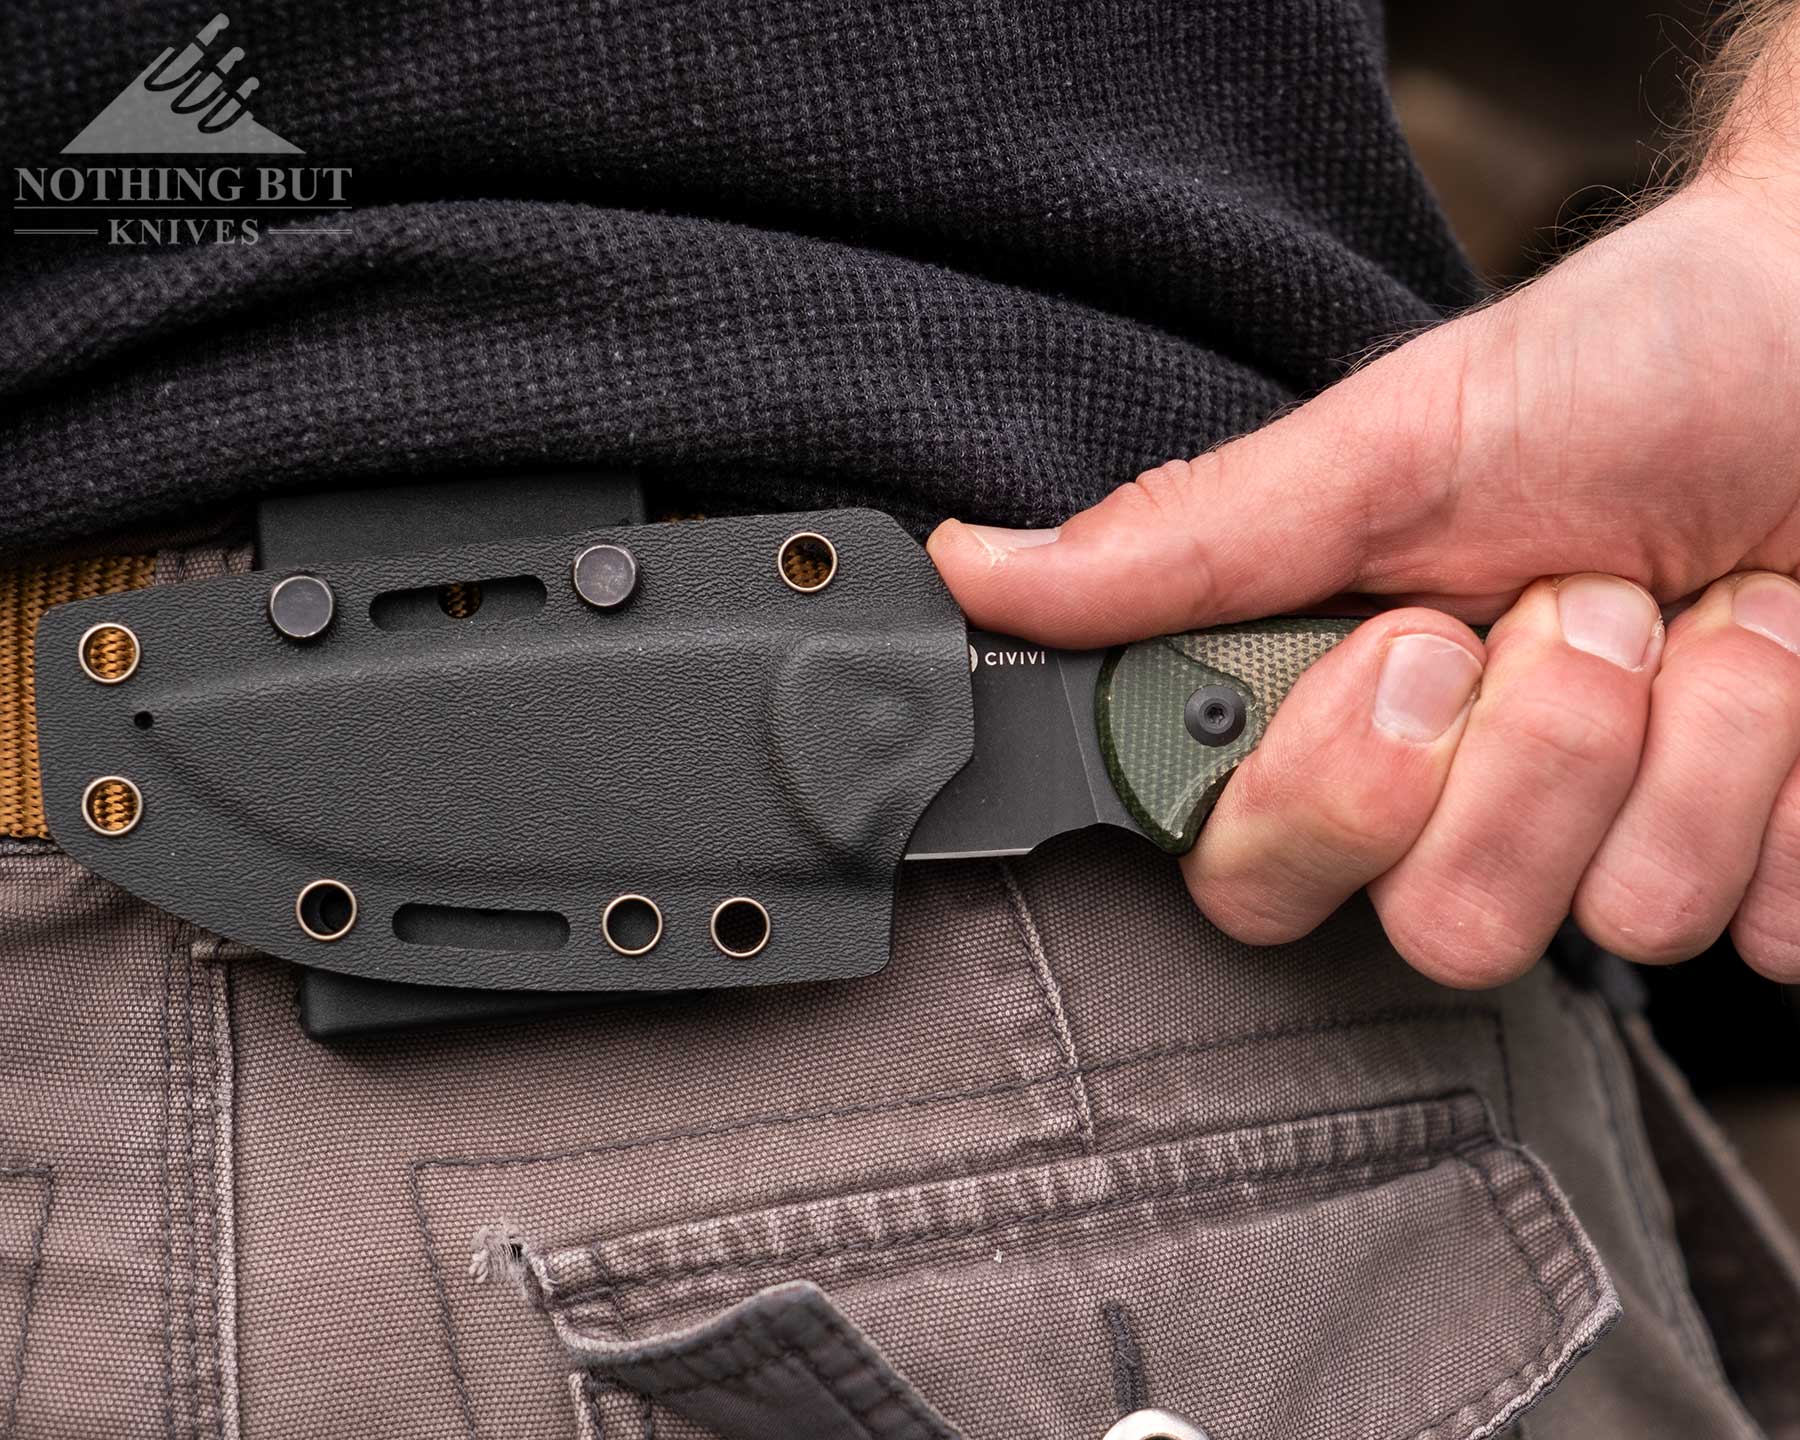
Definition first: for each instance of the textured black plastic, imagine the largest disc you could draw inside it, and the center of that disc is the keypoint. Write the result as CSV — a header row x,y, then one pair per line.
x,y
719,734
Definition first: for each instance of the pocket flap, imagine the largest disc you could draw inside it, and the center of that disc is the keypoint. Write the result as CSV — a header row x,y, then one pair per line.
x,y
1392,1272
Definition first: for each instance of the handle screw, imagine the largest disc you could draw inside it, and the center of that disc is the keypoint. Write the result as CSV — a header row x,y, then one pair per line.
x,y
1215,714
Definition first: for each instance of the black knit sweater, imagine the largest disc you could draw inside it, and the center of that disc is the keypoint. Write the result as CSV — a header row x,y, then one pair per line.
x,y
988,259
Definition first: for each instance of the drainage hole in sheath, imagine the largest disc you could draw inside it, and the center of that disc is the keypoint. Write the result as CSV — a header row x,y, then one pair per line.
x,y
446,608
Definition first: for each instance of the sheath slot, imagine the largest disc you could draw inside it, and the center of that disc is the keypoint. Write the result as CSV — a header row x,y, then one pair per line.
x,y
462,928
461,602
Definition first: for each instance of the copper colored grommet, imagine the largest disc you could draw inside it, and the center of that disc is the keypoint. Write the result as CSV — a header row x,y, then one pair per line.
x,y
112,805
314,918
106,645
811,555
733,902
606,916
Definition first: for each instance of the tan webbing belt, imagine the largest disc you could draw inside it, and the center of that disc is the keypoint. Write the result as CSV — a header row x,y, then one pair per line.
x,y
25,593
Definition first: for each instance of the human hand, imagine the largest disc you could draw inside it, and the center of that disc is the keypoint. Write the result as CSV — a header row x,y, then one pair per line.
x,y
1628,426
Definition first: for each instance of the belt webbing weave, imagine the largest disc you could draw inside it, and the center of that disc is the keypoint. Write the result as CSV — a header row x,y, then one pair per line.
x,y
25,593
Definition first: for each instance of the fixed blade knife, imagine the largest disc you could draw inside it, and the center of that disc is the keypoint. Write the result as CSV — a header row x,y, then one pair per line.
x,y
469,796
1142,736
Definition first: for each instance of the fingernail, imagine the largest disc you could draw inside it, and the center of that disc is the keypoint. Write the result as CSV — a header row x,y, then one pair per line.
x,y
1000,540
1425,683
1608,617
1769,605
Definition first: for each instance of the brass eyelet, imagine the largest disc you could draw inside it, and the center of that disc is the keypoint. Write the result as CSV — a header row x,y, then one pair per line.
x,y
806,562
606,916
310,912
109,652
112,805
733,902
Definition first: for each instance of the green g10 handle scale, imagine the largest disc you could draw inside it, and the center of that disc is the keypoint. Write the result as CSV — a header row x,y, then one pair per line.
x,y
1176,715
1142,736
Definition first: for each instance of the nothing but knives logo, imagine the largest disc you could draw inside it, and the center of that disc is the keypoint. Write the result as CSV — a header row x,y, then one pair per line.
x,y
194,102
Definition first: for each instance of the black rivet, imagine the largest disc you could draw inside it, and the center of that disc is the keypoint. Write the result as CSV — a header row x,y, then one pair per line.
x,y
1215,714
301,606
605,575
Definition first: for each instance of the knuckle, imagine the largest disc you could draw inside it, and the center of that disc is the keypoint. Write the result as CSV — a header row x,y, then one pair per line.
x,y
1163,495
1450,960
1465,939
1249,926
1164,502
1362,822
1322,833
1246,911
1651,914
1769,945
1731,702
1766,929
1341,808
1569,741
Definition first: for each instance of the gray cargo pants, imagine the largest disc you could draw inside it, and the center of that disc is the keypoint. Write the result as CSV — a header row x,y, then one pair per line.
x,y
1071,1155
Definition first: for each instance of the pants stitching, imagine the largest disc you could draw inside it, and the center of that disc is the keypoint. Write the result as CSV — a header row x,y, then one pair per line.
x,y
225,1132
1053,1001
1388,1161
34,1262
446,1321
1558,1316
1131,1389
1545,1298
1459,1014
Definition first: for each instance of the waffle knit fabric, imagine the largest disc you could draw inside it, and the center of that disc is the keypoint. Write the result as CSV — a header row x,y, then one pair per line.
x,y
982,257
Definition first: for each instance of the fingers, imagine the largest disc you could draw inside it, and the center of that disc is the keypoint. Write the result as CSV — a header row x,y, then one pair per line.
x,y
1344,780
1723,737
1766,930
1469,801
1545,762
1649,783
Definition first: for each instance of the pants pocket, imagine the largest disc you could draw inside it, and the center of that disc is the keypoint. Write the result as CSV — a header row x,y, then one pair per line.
x,y
1398,1271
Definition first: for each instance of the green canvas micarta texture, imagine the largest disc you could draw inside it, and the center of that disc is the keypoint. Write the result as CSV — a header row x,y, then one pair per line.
x,y
1169,780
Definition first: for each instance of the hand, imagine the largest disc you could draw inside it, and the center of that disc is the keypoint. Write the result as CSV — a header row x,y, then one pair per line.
x,y
1628,426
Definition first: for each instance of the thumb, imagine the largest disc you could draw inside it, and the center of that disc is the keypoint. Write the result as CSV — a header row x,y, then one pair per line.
x,y
1284,518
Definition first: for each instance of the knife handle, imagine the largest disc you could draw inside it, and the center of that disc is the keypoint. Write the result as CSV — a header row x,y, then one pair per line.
x,y
1175,715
